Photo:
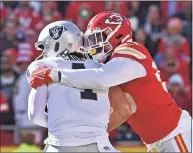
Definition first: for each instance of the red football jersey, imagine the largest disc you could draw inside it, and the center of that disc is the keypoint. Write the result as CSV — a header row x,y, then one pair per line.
x,y
155,113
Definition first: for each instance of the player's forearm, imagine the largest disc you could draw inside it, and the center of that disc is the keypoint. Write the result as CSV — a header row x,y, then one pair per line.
x,y
116,119
120,107
118,116
36,106
78,79
111,74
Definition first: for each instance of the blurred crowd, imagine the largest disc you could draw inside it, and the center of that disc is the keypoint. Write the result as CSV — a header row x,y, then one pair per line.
x,y
164,28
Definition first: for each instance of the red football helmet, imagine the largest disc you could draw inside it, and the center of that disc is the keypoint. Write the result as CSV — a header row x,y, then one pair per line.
x,y
105,32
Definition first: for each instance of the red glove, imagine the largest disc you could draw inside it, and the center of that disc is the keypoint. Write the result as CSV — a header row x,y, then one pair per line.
x,y
40,76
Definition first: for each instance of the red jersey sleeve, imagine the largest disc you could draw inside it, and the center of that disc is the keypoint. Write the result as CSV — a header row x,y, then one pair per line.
x,y
132,50
138,53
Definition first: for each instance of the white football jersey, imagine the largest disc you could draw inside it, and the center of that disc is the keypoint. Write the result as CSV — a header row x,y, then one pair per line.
x,y
75,117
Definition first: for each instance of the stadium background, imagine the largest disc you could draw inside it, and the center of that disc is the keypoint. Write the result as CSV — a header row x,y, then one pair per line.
x,y
165,28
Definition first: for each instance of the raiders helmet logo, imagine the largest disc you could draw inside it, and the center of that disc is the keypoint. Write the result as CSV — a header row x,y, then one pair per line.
x,y
56,32
114,19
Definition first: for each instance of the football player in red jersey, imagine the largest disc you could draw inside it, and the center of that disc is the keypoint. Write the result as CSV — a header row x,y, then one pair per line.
x,y
156,118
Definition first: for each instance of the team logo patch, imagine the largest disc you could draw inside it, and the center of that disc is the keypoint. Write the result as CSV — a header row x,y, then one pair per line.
x,y
56,32
114,19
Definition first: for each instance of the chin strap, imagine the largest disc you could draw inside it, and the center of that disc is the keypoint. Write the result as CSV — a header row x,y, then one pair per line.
x,y
42,55
39,57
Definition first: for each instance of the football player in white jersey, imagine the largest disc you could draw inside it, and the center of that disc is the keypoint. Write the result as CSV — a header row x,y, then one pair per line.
x,y
76,119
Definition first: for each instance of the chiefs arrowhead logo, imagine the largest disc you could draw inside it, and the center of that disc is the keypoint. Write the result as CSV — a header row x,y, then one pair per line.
x,y
56,32
114,19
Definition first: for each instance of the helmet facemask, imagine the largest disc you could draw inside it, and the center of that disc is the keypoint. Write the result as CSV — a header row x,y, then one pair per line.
x,y
96,43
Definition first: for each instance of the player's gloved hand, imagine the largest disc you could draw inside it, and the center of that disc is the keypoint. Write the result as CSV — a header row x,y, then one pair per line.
x,y
40,76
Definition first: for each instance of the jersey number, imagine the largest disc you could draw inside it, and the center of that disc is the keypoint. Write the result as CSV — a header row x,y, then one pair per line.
x,y
157,74
87,93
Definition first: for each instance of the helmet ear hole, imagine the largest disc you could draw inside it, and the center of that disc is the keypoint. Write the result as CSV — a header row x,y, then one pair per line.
x,y
39,46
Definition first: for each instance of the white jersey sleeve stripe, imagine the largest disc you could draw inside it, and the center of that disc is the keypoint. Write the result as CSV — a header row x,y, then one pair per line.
x,y
130,51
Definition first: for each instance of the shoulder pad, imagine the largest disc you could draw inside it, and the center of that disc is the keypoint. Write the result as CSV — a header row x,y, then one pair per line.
x,y
131,49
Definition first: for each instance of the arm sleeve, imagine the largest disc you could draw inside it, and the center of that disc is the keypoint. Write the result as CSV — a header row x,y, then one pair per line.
x,y
117,71
36,105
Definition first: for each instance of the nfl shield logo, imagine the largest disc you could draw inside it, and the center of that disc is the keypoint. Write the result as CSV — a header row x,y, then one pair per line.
x,y
106,148
56,32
